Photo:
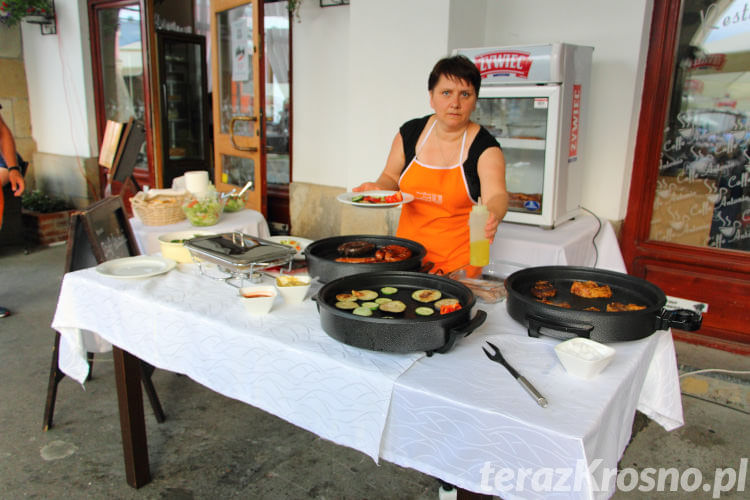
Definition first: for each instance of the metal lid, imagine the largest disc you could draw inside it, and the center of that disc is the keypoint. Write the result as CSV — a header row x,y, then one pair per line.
x,y
238,251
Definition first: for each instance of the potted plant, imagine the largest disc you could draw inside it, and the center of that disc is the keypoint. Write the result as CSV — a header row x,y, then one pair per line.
x,y
13,11
293,8
45,218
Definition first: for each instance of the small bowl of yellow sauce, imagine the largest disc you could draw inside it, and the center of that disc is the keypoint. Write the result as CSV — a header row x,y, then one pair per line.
x,y
293,287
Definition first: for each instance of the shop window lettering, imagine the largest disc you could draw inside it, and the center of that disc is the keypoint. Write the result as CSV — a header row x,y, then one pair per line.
x,y
738,16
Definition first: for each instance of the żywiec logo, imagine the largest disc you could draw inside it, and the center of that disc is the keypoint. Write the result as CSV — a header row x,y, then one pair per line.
x,y
504,63
709,61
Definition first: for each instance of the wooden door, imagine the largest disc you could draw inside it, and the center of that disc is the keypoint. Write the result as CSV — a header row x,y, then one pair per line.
x,y
687,229
238,111
121,76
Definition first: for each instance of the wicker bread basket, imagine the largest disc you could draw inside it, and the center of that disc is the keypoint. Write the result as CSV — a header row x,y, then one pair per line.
x,y
159,210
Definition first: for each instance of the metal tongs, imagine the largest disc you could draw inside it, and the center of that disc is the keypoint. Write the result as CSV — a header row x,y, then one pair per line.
x,y
498,358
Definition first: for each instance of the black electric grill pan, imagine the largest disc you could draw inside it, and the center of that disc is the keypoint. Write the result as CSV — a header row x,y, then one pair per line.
x,y
321,257
402,332
602,326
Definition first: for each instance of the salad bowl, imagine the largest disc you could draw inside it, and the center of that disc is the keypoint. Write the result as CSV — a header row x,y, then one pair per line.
x,y
204,210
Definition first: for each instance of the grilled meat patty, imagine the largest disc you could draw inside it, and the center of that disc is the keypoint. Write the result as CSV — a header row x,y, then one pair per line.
x,y
619,307
563,304
590,290
543,289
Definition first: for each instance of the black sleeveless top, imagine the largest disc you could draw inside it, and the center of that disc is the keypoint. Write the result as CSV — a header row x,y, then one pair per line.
x,y
411,130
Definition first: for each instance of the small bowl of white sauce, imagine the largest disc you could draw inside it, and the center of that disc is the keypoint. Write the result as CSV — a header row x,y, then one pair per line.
x,y
584,357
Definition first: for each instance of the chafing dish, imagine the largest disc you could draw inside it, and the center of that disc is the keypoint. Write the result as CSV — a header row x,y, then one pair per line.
x,y
237,255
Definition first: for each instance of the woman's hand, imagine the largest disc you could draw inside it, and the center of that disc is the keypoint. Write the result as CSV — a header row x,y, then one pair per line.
x,y
16,182
367,186
491,227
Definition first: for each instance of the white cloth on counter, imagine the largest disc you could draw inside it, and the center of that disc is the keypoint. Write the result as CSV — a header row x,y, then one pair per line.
x,y
250,222
283,362
572,243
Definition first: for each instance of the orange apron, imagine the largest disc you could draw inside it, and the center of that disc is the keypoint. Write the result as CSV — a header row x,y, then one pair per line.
x,y
438,218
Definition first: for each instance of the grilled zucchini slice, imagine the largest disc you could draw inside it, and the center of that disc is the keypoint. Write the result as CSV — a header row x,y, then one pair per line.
x,y
426,295
394,306
445,302
365,294
347,304
363,311
424,311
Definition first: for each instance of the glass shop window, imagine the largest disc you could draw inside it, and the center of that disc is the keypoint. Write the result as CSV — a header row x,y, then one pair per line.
x,y
703,186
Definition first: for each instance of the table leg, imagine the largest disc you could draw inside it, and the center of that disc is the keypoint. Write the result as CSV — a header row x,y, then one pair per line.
x,y
132,421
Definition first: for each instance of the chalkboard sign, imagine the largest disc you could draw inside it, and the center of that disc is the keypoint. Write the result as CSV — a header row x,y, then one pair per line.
x,y
131,143
99,233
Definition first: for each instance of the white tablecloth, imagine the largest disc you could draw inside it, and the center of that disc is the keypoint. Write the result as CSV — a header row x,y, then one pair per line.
x,y
282,362
446,415
572,243
248,221
453,426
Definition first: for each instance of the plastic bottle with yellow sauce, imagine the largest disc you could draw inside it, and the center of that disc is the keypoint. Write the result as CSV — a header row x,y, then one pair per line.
x,y
479,244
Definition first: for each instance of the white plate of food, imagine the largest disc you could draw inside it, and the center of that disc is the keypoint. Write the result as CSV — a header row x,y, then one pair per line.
x,y
140,266
375,199
293,241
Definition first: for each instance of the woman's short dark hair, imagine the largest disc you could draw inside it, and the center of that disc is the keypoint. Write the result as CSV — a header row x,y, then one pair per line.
x,y
459,67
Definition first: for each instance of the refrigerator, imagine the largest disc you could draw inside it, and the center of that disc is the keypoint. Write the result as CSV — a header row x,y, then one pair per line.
x,y
184,105
533,99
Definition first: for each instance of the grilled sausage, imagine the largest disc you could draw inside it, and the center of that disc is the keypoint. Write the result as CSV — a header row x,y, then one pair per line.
x,y
356,248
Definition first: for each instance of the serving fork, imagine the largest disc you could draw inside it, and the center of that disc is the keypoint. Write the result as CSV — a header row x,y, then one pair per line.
x,y
497,357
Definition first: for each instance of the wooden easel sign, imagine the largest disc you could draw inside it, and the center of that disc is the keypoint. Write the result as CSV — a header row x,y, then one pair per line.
x,y
99,233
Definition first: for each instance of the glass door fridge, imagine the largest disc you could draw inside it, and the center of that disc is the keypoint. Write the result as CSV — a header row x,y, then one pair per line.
x,y
532,101
184,105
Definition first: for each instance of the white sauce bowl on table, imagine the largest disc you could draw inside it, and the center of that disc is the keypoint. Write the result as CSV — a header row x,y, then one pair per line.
x,y
584,357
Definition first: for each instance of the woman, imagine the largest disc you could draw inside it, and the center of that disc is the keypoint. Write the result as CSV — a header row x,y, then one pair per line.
x,y
446,162
9,172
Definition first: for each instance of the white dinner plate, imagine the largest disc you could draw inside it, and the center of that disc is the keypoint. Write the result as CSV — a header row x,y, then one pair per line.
x,y
293,241
347,198
140,266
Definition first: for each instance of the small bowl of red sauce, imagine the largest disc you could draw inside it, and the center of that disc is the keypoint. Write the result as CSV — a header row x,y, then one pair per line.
x,y
258,299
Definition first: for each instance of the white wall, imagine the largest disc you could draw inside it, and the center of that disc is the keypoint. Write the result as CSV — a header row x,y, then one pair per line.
x,y
320,94
360,71
463,30
60,87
